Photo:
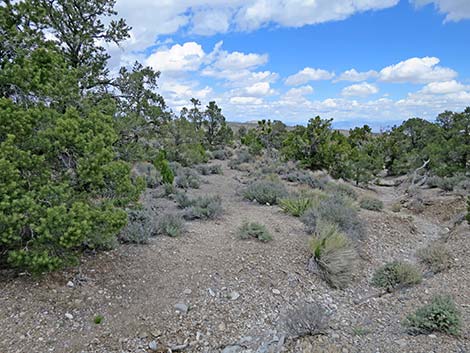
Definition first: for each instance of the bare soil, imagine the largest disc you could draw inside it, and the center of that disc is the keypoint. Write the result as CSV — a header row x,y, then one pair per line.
x,y
236,291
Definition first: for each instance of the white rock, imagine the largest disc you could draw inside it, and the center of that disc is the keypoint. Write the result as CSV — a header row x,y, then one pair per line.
x,y
234,295
70,284
153,346
69,316
276,291
187,291
182,308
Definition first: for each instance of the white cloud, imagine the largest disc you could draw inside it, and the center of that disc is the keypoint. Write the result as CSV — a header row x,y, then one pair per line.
x,y
178,58
360,90
259,89
455,10
354,76
443,87
150,18
246,100
308,74
417,70
297,94
239,61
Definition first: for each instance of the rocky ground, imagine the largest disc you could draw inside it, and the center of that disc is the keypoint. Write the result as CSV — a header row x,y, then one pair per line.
x,y
209,291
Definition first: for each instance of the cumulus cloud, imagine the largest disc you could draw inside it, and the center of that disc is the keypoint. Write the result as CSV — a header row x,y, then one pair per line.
x,y
360,90
178,58
443,87
354,76
239,61
259,89
417,70
308,74
246,100
455,10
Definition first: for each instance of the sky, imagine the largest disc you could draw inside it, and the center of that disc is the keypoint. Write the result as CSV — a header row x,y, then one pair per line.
x,y
375,62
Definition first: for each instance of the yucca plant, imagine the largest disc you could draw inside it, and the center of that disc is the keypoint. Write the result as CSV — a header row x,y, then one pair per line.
x,y
295,206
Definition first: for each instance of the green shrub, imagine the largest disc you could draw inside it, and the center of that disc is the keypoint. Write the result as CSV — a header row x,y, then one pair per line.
x,y
335,210
249,230
445,183
334,255
98,319
139,228
187,179
371,204
265,192
208,207
163,166
170,224
295,206
61,188
441,315
436,256
396,274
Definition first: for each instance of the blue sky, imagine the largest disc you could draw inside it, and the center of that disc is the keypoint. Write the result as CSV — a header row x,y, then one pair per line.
x,y
357,61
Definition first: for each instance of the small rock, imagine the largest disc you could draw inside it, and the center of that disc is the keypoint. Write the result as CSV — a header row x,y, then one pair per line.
x,y
222,327
432,336
276,291
153,346
401,342
182,308
211,292
187,291
232,349
335,336
234,295
70,284
69,316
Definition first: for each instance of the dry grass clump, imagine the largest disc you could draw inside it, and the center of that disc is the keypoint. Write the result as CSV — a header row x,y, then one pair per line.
x,y
436,256
333,255
207,207
371,204
170,224
305,319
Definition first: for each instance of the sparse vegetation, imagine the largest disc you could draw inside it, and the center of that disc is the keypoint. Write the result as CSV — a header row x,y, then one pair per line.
x,y
209,169
208,207
98,319
334,255
436,256
306,319
441,315
396,274
253,230
371,204
265,192
170,224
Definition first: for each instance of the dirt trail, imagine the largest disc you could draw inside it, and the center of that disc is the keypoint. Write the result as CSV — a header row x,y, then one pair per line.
x,y
236,291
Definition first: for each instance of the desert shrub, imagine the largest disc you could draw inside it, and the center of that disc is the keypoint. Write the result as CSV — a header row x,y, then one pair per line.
x,y
221,154
371,204
208,207
183,200
139,228
396,274
305,319
334,255
304,177
265,192
295,206
440,315
148,172
209,169
163,166
170,224
336,210
242,157
446,183
342,190
249,230
175,167
187,179
436,256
